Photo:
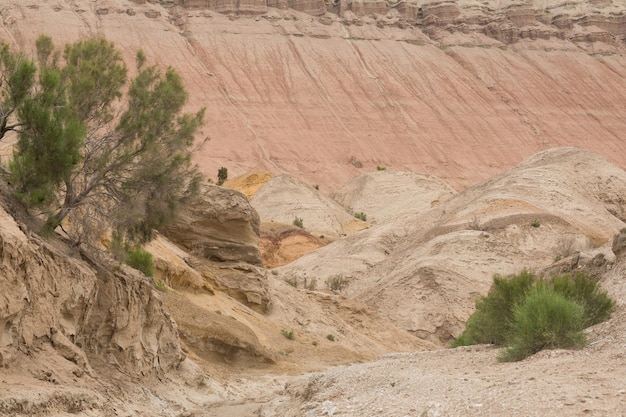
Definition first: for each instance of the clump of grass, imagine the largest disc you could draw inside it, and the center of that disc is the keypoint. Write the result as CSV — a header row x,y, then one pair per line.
x,y
509,312
141,260
289,334
535,223
337,283
159,285
361,216
314,343
380,168
298,222
330,337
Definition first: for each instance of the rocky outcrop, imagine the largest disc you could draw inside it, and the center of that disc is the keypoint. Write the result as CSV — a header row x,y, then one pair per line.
x,y
220,234
219,226
89,314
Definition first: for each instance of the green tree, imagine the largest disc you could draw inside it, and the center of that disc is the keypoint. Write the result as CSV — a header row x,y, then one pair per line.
x,y
100,148
17,77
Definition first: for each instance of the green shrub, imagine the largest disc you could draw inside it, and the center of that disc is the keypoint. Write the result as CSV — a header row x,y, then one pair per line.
x,y
489,324
298,222
159,285
503,317
544,320
141,260
289,334
380,168
222,175
535,223
597,304
330,337
361,216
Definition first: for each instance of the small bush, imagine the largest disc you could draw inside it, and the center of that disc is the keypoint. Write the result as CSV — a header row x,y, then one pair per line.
x,y
159,285
314,343
509,313
361,216
535,223
298,222
222,175
330,337
141,260
337,283
288,334
380,168
474,224
595,301
489,324
544,320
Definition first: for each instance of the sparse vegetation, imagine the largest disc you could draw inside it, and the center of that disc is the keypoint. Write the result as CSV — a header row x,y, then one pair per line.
x,y
337,283
535,223
330,337
141,260
222,175
159,285
380,168
298,222
361,216
474,224
289,334
511,315
314,343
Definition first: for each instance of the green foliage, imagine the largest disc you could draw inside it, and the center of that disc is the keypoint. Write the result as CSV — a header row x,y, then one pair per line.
x,y
141,260
17,77
93,141
489,324
535,223
544,320
509,313
330,337
298,222
380,168
361,216
288,334
222,175
596,303
160,285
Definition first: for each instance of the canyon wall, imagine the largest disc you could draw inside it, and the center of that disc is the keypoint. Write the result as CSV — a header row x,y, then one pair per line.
x,y
460,90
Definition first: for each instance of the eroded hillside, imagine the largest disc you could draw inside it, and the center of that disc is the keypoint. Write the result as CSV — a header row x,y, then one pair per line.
x,y
460,90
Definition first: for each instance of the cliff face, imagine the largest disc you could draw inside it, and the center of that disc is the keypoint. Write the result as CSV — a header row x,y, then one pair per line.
x,y
90,316
459,90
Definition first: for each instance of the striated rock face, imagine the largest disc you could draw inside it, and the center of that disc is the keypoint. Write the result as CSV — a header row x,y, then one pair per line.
x,y
456,89
220,226
220,233
88,315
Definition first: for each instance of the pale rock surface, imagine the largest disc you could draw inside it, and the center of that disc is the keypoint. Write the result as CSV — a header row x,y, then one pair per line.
x,y
424,272
285,198
383,195
220,225
469,381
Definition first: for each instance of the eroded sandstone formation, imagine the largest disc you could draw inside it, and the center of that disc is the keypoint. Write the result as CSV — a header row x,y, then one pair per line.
x,y
89,314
